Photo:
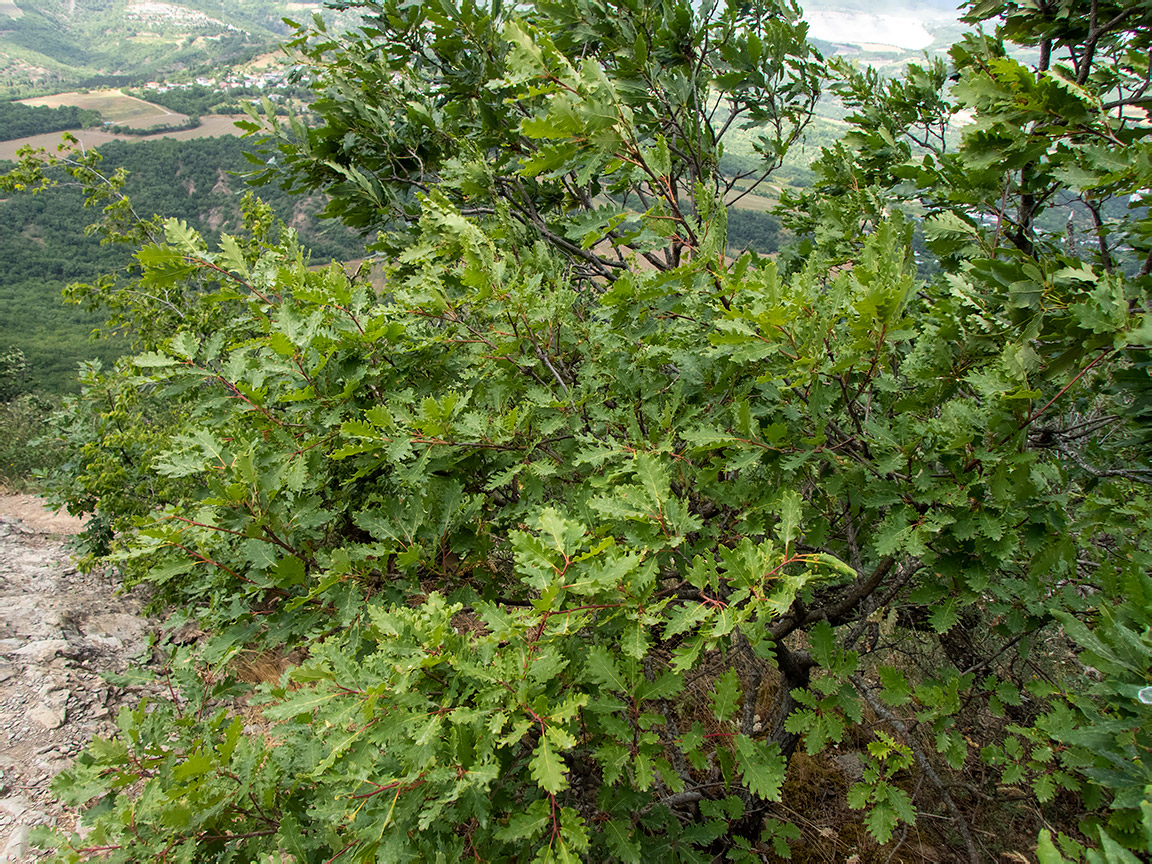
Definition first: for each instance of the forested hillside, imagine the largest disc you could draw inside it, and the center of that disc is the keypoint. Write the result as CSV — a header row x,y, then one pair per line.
x,y
44,245
20,121
52,45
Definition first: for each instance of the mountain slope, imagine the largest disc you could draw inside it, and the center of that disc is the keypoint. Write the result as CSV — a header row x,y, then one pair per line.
x,y
48,45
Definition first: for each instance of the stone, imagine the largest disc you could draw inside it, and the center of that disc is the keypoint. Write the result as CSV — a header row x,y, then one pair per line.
x,y
42,650
850,765
47,718
17,846
114,630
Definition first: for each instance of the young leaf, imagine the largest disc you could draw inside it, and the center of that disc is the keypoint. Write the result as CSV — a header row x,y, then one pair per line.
x,y
762,765
726,695
547,766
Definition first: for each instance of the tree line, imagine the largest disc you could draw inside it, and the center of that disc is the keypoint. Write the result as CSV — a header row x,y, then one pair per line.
x,y
20,121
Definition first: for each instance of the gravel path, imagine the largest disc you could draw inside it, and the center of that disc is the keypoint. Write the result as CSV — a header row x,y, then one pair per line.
x,y
59,630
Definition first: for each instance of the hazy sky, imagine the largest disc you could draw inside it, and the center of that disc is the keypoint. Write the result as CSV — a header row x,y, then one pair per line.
x,y
894,23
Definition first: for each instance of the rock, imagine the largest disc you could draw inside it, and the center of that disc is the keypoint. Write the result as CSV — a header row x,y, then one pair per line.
x,y
42,650
850,765
59,629
115,630
39,817
47,718
17,846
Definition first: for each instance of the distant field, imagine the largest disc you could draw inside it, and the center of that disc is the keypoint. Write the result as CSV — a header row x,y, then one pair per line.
x,y
754,201
212,125
113,106
9,8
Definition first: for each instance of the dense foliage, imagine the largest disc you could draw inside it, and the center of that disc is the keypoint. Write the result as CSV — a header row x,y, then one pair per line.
x,y
20,121
45,248
585,536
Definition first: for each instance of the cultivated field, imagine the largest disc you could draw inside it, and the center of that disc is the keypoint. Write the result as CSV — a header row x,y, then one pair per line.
x,y
212,125
114,107
9,8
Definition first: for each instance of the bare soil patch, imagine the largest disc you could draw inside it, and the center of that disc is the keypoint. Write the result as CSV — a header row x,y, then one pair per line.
x,y
210,126
113,106
36,517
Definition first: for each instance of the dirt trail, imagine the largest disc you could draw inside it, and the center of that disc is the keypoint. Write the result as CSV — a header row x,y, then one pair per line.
x,y
59,630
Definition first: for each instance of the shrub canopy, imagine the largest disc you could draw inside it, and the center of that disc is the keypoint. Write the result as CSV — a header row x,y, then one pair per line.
x,y
586,529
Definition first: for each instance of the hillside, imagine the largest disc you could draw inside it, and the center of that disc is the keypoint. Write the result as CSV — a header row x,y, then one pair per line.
x,y
51,45
43,245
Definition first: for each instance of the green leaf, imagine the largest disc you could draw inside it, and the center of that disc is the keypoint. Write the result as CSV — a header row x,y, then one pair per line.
x,y
726,694
152,360
547,767
184,345
762,765
790,516
881,822
945,615
1046,851
619,839
603,670
196,765
561,534
653,477
896,691
300,702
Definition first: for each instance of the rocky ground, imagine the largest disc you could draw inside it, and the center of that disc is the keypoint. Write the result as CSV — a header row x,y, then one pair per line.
x,y
59,630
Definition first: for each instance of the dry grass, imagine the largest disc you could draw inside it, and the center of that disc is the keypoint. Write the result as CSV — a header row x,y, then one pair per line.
x,y
211,126
113,106
265,667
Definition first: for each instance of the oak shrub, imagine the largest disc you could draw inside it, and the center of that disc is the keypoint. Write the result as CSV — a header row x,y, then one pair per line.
x,y
584,529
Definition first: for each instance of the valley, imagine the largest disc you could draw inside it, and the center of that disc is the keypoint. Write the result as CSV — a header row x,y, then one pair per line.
x,y
210,127
172,86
